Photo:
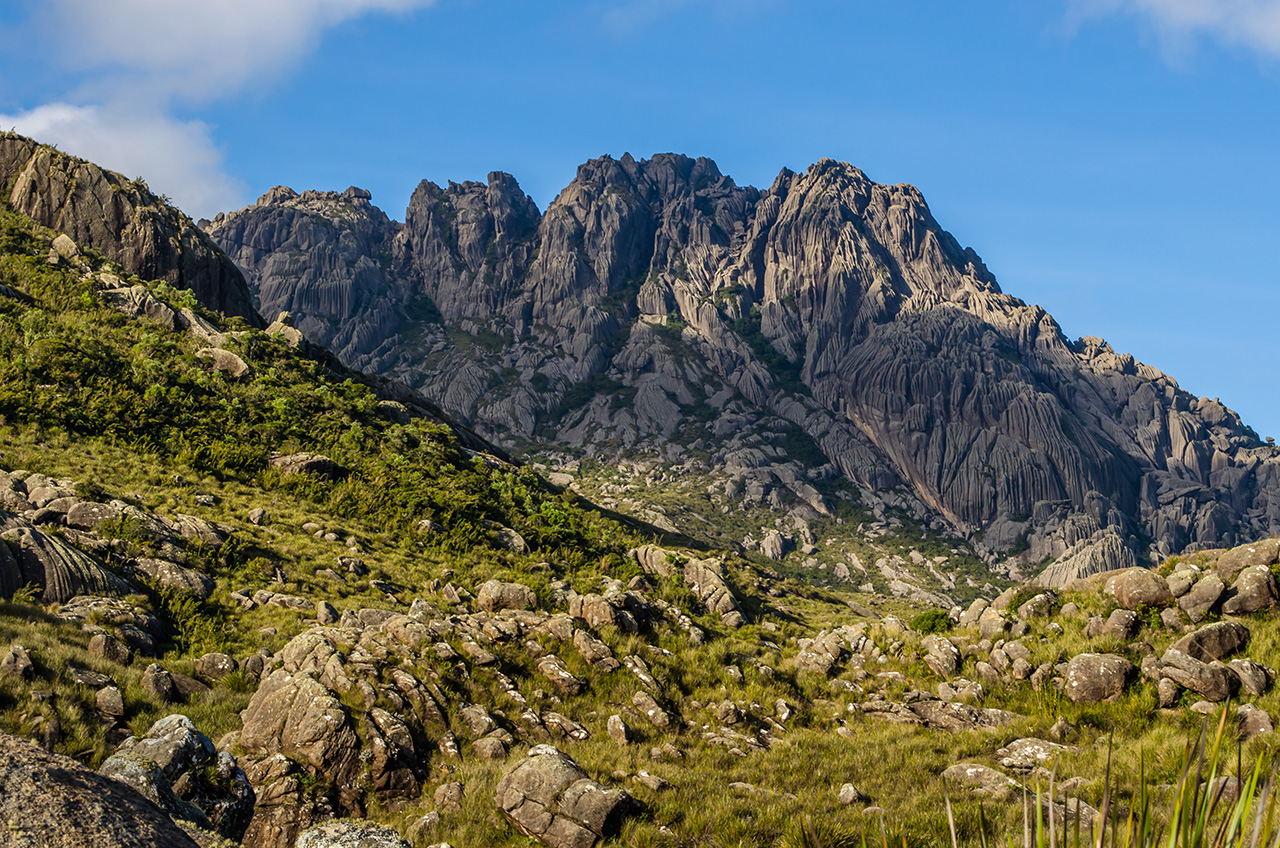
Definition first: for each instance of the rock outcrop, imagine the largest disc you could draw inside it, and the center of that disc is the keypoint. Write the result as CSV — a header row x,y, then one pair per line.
x,y
54,802
106,211
657,302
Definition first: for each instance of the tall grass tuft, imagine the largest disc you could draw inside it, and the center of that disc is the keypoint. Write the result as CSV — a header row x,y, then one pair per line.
x,y
1197,815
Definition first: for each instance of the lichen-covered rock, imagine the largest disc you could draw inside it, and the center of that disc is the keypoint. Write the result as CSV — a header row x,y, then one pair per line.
x,y
495,595
941,656
548,797
55,802
350,835
1254,590
295,715
1264,552
1139,586
1202,597
1213,641
1212,681
175,576
1097,677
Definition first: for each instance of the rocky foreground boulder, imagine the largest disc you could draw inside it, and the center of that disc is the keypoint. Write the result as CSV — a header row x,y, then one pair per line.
x,y
547,796
50,801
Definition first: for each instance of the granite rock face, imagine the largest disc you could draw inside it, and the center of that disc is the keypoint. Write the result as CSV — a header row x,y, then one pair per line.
x,y
55,802
656,302
106,211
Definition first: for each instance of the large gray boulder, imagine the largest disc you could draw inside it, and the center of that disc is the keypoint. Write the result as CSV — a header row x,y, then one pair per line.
x,y
59,570
1139,586
1213,681
1254,590
1202,597
296,715
548,797
52,801
175,576
1213,641
1097,677
495,595
350,835
201,778
1264,552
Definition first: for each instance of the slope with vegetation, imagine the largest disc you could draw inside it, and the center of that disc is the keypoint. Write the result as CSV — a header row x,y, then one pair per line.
x,y
271,597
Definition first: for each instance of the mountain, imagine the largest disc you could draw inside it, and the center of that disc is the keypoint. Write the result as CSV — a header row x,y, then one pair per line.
x,y
249,596
825,328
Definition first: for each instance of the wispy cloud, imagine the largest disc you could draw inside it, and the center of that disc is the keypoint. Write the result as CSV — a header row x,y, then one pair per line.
x,y
139,59
198,50
1254,24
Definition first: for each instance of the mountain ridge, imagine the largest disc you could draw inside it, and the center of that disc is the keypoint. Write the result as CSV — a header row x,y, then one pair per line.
x,y
828,301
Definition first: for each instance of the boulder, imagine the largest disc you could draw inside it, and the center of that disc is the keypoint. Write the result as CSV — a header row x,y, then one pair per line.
x,y
16,662
546,796
495,595
104,646
225,362
1123,624
1255,679
295,715
61,571
651,709
1202,597
159,684
1097,677
70,806
109,702
308,463
350,835
215,666
619,732
1139,586
992,624
175,576
1254,721
1213,681
1265,552
553,669
1254,590
1213,641
982,780
941,656
149,781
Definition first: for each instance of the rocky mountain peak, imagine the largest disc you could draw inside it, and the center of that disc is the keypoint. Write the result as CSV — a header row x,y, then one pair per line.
x,y
655,301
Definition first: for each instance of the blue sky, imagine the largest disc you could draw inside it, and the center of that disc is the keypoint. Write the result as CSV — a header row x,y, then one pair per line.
x,y
1112,160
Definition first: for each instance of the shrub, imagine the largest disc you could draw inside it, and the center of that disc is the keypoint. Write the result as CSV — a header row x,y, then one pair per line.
x,y
931,621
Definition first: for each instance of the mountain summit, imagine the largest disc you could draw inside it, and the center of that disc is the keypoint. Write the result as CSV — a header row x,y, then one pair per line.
x,y
659,312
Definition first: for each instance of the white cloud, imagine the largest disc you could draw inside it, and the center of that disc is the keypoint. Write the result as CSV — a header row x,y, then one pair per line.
x,y
177,158
138,58
197,49
1254,24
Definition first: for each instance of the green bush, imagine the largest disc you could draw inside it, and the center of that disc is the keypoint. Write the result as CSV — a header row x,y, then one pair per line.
x,y
931,621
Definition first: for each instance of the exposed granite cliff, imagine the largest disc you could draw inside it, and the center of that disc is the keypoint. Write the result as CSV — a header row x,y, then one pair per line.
x,y
106,211
657,304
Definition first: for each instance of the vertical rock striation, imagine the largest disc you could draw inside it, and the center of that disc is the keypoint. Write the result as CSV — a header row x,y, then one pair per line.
x,y
655,303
